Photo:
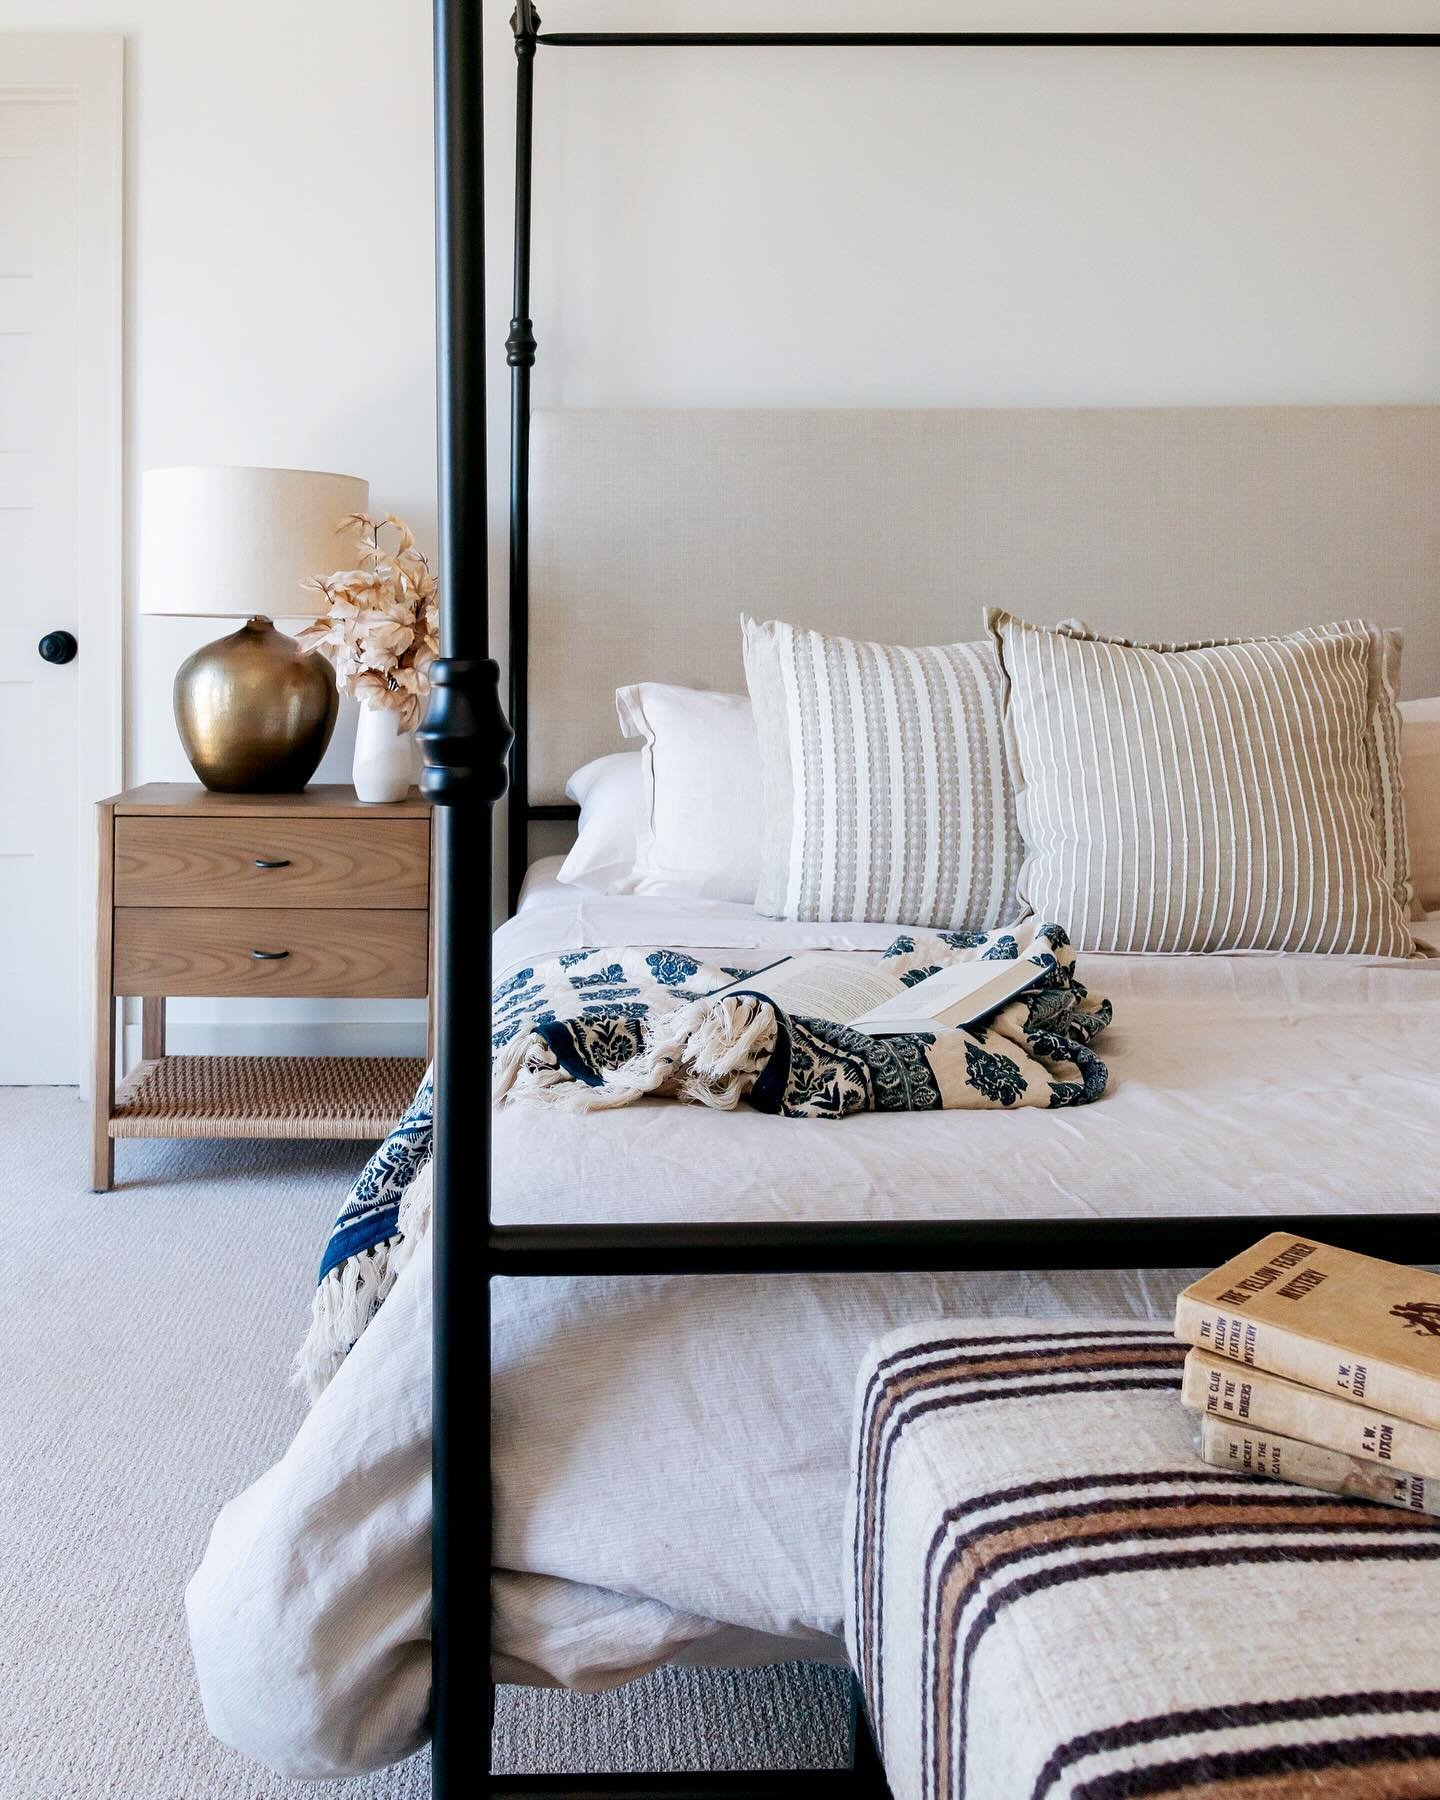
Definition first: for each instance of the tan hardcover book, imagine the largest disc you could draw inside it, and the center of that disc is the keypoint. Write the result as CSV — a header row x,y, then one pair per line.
x,y
1347,1324
1247,1452
1270,1403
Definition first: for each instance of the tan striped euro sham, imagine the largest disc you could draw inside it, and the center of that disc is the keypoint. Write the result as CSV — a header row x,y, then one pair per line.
x,y
886,784
1383,755
1207,798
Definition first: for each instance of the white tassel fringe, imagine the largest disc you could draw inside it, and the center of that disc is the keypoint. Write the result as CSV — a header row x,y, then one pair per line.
x,y
351,1294
709,1052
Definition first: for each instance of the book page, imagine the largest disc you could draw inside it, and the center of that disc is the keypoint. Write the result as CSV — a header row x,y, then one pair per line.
x,y
822,984
955,996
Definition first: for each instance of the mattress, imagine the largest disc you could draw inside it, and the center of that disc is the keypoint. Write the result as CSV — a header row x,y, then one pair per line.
x,y
1256,1083
670,1454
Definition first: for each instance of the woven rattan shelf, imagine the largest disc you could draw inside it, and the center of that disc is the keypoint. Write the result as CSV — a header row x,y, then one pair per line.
x,y
265,1096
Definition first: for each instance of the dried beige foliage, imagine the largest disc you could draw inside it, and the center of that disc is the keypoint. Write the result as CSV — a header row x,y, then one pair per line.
x,y
382,629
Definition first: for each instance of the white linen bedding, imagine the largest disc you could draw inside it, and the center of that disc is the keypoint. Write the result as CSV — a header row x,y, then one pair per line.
x,y
670,1454
1248,1083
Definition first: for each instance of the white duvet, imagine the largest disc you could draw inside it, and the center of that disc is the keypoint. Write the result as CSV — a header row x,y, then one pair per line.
x,y
670,1454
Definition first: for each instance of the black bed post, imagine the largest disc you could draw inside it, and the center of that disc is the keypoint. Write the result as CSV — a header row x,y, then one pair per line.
x,y
520,355
464,738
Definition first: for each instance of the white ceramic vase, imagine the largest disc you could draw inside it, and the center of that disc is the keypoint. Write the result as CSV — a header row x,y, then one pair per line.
x,y
384,756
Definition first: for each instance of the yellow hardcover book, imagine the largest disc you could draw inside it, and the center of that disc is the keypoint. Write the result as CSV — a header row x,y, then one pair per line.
x,y
1270,1403
1246,1451
1346,1324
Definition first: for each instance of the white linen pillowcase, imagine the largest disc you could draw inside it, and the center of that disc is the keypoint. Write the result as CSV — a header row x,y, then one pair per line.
x,y
610,792
698,834
1420,771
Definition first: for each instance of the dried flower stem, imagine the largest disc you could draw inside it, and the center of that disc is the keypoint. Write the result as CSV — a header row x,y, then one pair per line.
x,y
382,627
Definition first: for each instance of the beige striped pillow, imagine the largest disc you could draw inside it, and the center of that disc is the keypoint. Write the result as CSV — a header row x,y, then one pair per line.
x,y
1420,746
1200,799
1384,767
886,787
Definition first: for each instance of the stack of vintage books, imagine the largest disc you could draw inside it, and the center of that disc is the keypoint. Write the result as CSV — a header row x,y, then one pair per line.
x,y
1318,1366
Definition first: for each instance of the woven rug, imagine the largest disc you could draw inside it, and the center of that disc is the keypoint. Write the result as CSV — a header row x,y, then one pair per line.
x,y
142,1383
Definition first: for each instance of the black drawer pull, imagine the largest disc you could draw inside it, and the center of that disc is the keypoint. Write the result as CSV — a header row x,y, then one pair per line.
x,y
283,863
269,955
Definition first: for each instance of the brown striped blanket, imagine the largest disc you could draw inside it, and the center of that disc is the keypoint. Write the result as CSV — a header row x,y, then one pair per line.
x,y
1051,1598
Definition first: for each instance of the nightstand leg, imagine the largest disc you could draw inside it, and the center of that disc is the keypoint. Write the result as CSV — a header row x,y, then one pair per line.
x,y
152,1028
102,1163
102,1073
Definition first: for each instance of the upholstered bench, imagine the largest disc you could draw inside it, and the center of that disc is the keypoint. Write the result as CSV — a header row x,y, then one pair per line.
x,y
1051,1596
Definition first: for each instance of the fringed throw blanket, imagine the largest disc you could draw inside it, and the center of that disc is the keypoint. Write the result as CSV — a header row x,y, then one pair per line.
x,y
595,1029
602,1028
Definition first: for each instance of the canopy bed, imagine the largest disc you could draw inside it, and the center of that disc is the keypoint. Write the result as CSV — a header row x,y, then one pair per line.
x,y
470,753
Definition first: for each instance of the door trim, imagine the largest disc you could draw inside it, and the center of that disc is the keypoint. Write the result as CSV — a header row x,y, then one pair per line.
x,y
90,69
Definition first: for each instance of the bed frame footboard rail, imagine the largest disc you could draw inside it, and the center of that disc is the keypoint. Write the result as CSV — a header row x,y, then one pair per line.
x,y
876,1247
840,1784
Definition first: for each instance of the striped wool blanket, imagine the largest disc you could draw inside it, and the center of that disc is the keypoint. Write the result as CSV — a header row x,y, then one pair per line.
x,y
594,1028
1051,1598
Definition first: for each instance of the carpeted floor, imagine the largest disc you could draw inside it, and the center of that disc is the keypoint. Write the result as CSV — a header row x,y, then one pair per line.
x,y
144,1348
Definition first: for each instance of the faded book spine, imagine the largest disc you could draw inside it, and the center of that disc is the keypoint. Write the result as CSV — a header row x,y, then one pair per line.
x,y
1270,1403
1316,1364
1242,1451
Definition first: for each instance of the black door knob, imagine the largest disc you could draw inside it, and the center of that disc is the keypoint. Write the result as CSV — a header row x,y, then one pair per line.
x,y
58,646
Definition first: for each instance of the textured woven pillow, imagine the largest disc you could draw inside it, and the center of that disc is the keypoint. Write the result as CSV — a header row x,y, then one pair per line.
x,y
1201,799
1420,749
885,783
1384,761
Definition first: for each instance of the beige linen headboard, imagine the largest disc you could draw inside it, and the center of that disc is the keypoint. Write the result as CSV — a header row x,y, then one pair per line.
x,y
652,531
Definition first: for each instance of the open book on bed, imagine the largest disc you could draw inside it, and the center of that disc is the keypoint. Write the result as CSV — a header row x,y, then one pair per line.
x,y
819,984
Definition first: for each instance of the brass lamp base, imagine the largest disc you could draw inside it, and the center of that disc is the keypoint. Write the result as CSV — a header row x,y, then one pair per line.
x,y
254,713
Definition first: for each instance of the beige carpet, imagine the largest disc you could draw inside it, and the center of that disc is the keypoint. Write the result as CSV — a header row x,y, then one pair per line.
x,y
144,1344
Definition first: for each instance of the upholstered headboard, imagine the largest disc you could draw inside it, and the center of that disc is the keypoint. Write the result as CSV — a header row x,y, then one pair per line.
x,y
652,531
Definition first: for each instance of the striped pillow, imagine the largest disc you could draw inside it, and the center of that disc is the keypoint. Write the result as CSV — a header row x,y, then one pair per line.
x,y
1420,743
1384,767
886,791
1202,798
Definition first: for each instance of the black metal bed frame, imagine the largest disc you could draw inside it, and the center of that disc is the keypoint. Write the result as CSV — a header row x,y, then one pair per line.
x,y
470,752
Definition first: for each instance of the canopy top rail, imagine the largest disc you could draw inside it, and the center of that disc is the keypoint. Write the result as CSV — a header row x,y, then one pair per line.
x,y
526,23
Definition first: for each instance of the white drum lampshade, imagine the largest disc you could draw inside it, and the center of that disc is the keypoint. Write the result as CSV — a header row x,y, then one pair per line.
x,y
237,543
253,713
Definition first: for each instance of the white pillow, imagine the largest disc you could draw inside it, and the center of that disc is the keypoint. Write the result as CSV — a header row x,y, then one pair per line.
x,y
699,835
611,795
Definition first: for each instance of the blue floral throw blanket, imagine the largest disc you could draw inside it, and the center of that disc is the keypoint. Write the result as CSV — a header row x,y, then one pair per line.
x,y
595,1029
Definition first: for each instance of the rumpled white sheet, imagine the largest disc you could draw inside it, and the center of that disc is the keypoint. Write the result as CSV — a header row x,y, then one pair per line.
x,y
669,1469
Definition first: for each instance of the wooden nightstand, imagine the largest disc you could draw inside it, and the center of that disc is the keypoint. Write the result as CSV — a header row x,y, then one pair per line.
x,y
271,895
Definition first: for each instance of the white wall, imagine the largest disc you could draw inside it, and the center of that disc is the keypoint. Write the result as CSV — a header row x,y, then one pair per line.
x,y
996,227
279,309
736,227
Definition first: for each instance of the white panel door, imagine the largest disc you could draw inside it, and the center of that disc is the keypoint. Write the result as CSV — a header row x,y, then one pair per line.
x,y
41,972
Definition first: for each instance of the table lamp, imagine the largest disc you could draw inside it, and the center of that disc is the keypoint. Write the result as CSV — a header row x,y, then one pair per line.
x,y
253,712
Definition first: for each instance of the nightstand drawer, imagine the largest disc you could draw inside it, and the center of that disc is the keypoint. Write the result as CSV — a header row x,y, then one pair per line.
x,y
280,951
272,862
